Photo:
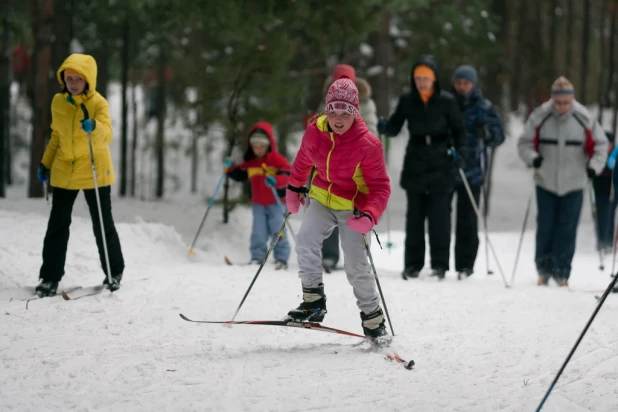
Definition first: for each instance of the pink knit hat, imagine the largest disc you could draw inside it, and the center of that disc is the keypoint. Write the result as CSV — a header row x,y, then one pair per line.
x,y
342,95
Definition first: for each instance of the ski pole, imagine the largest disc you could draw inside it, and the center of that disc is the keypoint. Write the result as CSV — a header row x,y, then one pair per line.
x,y
389,243
478,215
272,246
485,209
46,192
579,339
210,205
521,236
284,210
357,213
593,210
96,191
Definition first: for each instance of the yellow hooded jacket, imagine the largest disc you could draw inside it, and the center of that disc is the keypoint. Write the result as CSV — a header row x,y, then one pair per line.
x,y
67,155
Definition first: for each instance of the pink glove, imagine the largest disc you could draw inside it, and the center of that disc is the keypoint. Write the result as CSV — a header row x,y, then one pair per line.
x,y
293,200
362,224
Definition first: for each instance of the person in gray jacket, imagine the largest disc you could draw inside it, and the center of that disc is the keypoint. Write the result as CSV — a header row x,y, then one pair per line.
x,y
566,146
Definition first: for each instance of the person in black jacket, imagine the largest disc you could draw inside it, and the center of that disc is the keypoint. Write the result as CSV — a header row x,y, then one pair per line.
x,y
433,156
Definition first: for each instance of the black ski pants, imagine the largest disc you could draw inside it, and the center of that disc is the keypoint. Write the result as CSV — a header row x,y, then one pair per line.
x,y
57,235
436,208
466,227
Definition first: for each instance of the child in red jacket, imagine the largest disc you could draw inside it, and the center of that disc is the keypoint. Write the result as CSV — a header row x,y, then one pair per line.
x,y
266,169
350,174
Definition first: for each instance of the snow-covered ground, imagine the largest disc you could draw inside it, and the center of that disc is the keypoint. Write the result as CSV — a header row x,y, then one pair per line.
x,y
478,346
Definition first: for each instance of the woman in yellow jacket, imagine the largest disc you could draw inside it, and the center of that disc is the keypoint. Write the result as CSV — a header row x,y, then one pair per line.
x,y
67,162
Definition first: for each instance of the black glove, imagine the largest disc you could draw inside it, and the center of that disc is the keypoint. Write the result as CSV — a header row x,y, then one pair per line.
x,y
591,173
459,162
536,163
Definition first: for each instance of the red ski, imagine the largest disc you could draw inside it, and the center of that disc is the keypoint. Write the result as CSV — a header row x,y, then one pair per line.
x,y
390,355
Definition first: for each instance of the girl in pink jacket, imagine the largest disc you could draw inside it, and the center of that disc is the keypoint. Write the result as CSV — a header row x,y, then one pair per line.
x,y
350,174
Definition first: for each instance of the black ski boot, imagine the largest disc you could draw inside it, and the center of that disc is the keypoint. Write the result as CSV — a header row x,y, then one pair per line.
x,y
440,273
115,285
410,272
46,288
464,273
374,328
313,308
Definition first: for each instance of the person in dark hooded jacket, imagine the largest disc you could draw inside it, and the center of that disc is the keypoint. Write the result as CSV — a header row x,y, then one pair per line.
x,y
483,130
435,151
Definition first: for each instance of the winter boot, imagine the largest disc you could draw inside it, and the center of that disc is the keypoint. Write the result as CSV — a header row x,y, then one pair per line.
x,y
374,327
410,272
281,265
464,273
46,288
440,273
543,279
115,285
328,265
313,307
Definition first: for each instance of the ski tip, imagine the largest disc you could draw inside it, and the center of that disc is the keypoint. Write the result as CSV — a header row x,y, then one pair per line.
x,y
183,316
65,296
410,365
227,261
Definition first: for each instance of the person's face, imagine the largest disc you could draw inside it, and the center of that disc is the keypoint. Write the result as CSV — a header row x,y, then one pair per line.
x,y
340,121
75,84
562,103
259,149
463,86
423,84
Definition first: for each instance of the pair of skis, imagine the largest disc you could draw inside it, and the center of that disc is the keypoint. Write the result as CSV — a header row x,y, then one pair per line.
x,y
72,293
389,354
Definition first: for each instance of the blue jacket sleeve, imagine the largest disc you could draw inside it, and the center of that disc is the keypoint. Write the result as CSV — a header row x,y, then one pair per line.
x,y
493,126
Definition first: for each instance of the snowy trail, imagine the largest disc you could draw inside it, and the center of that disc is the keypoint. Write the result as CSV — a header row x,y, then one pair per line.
x,y
477,345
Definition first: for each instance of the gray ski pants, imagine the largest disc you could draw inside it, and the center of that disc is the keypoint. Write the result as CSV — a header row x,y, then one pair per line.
x,y
318,223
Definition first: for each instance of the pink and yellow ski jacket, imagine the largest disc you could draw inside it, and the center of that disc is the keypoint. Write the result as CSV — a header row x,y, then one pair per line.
x,y
350,169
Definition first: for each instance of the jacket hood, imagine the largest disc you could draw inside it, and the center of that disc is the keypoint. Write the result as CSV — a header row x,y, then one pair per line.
x,y
430,62
266,128
83,64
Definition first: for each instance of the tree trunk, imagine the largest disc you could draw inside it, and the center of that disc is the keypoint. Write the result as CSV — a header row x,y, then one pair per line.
x,y
42,13
102,58
611,58
124,78
603,61
134,141
584,44
61,40
517,12
5,96
194,162
382,44
160,141
569,36
553,35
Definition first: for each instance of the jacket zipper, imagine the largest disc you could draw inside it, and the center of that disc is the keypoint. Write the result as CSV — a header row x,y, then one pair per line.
x,y
328,196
